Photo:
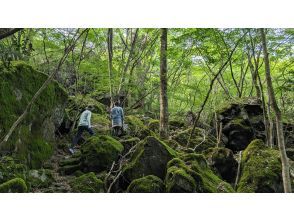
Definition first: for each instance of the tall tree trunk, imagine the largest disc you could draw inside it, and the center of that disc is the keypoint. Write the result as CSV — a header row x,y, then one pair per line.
x,y
109,47
279,125
163,128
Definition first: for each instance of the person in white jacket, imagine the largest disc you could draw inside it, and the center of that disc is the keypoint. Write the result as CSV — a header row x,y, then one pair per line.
x,y
84,125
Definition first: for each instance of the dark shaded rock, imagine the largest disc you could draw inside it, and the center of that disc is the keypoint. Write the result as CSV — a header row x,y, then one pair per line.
x,y
260,169
9,169
150,158
242,122
146,184
223,162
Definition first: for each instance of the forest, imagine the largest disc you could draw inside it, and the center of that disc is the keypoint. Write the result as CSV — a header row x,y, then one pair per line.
x,y
205,110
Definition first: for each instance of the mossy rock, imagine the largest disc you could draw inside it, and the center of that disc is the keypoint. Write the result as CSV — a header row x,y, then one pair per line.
x,y
136,127
16,185
42,178
98,152
87,183
192,174
261,169
146,184
10,169
179,177
223,162
150,158
18,84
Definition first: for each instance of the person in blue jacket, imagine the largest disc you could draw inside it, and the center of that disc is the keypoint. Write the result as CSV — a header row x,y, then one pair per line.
x,y
117,119
84,125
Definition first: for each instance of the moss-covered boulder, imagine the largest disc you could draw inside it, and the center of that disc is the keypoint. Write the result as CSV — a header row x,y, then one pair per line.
x,y
9,169
146,184
222,160
98,152
260,169
87,183
192,174
16,185
17,87
136,127
150,158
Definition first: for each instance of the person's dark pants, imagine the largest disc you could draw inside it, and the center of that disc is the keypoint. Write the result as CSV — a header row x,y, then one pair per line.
x,y
78,136
117,131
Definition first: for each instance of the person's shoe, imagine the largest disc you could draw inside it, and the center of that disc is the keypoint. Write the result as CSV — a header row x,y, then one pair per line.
x,y
71,150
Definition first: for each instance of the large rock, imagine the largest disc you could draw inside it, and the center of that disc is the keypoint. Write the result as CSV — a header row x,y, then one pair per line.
x,y
222,160
242,122
260,169
98,152
17,87
146,184
150,158
192,174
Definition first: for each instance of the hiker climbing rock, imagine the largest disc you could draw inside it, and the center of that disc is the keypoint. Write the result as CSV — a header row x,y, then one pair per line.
x,y
84,125
117,118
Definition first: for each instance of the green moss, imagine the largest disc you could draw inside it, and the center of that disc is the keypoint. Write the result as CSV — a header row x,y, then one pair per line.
x,y
101,123
147,184
98,152
10,169
260,169
179,177
136,127
87,183
191,174
16,185
17,87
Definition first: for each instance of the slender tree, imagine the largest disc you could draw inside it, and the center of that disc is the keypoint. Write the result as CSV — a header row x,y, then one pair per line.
x,y
163,125
110,52
278,114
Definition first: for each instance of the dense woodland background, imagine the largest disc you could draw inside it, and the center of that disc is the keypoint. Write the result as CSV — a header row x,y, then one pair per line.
x,y
189,75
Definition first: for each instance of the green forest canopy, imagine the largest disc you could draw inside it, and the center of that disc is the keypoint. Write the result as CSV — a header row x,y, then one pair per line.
x,y
194,57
